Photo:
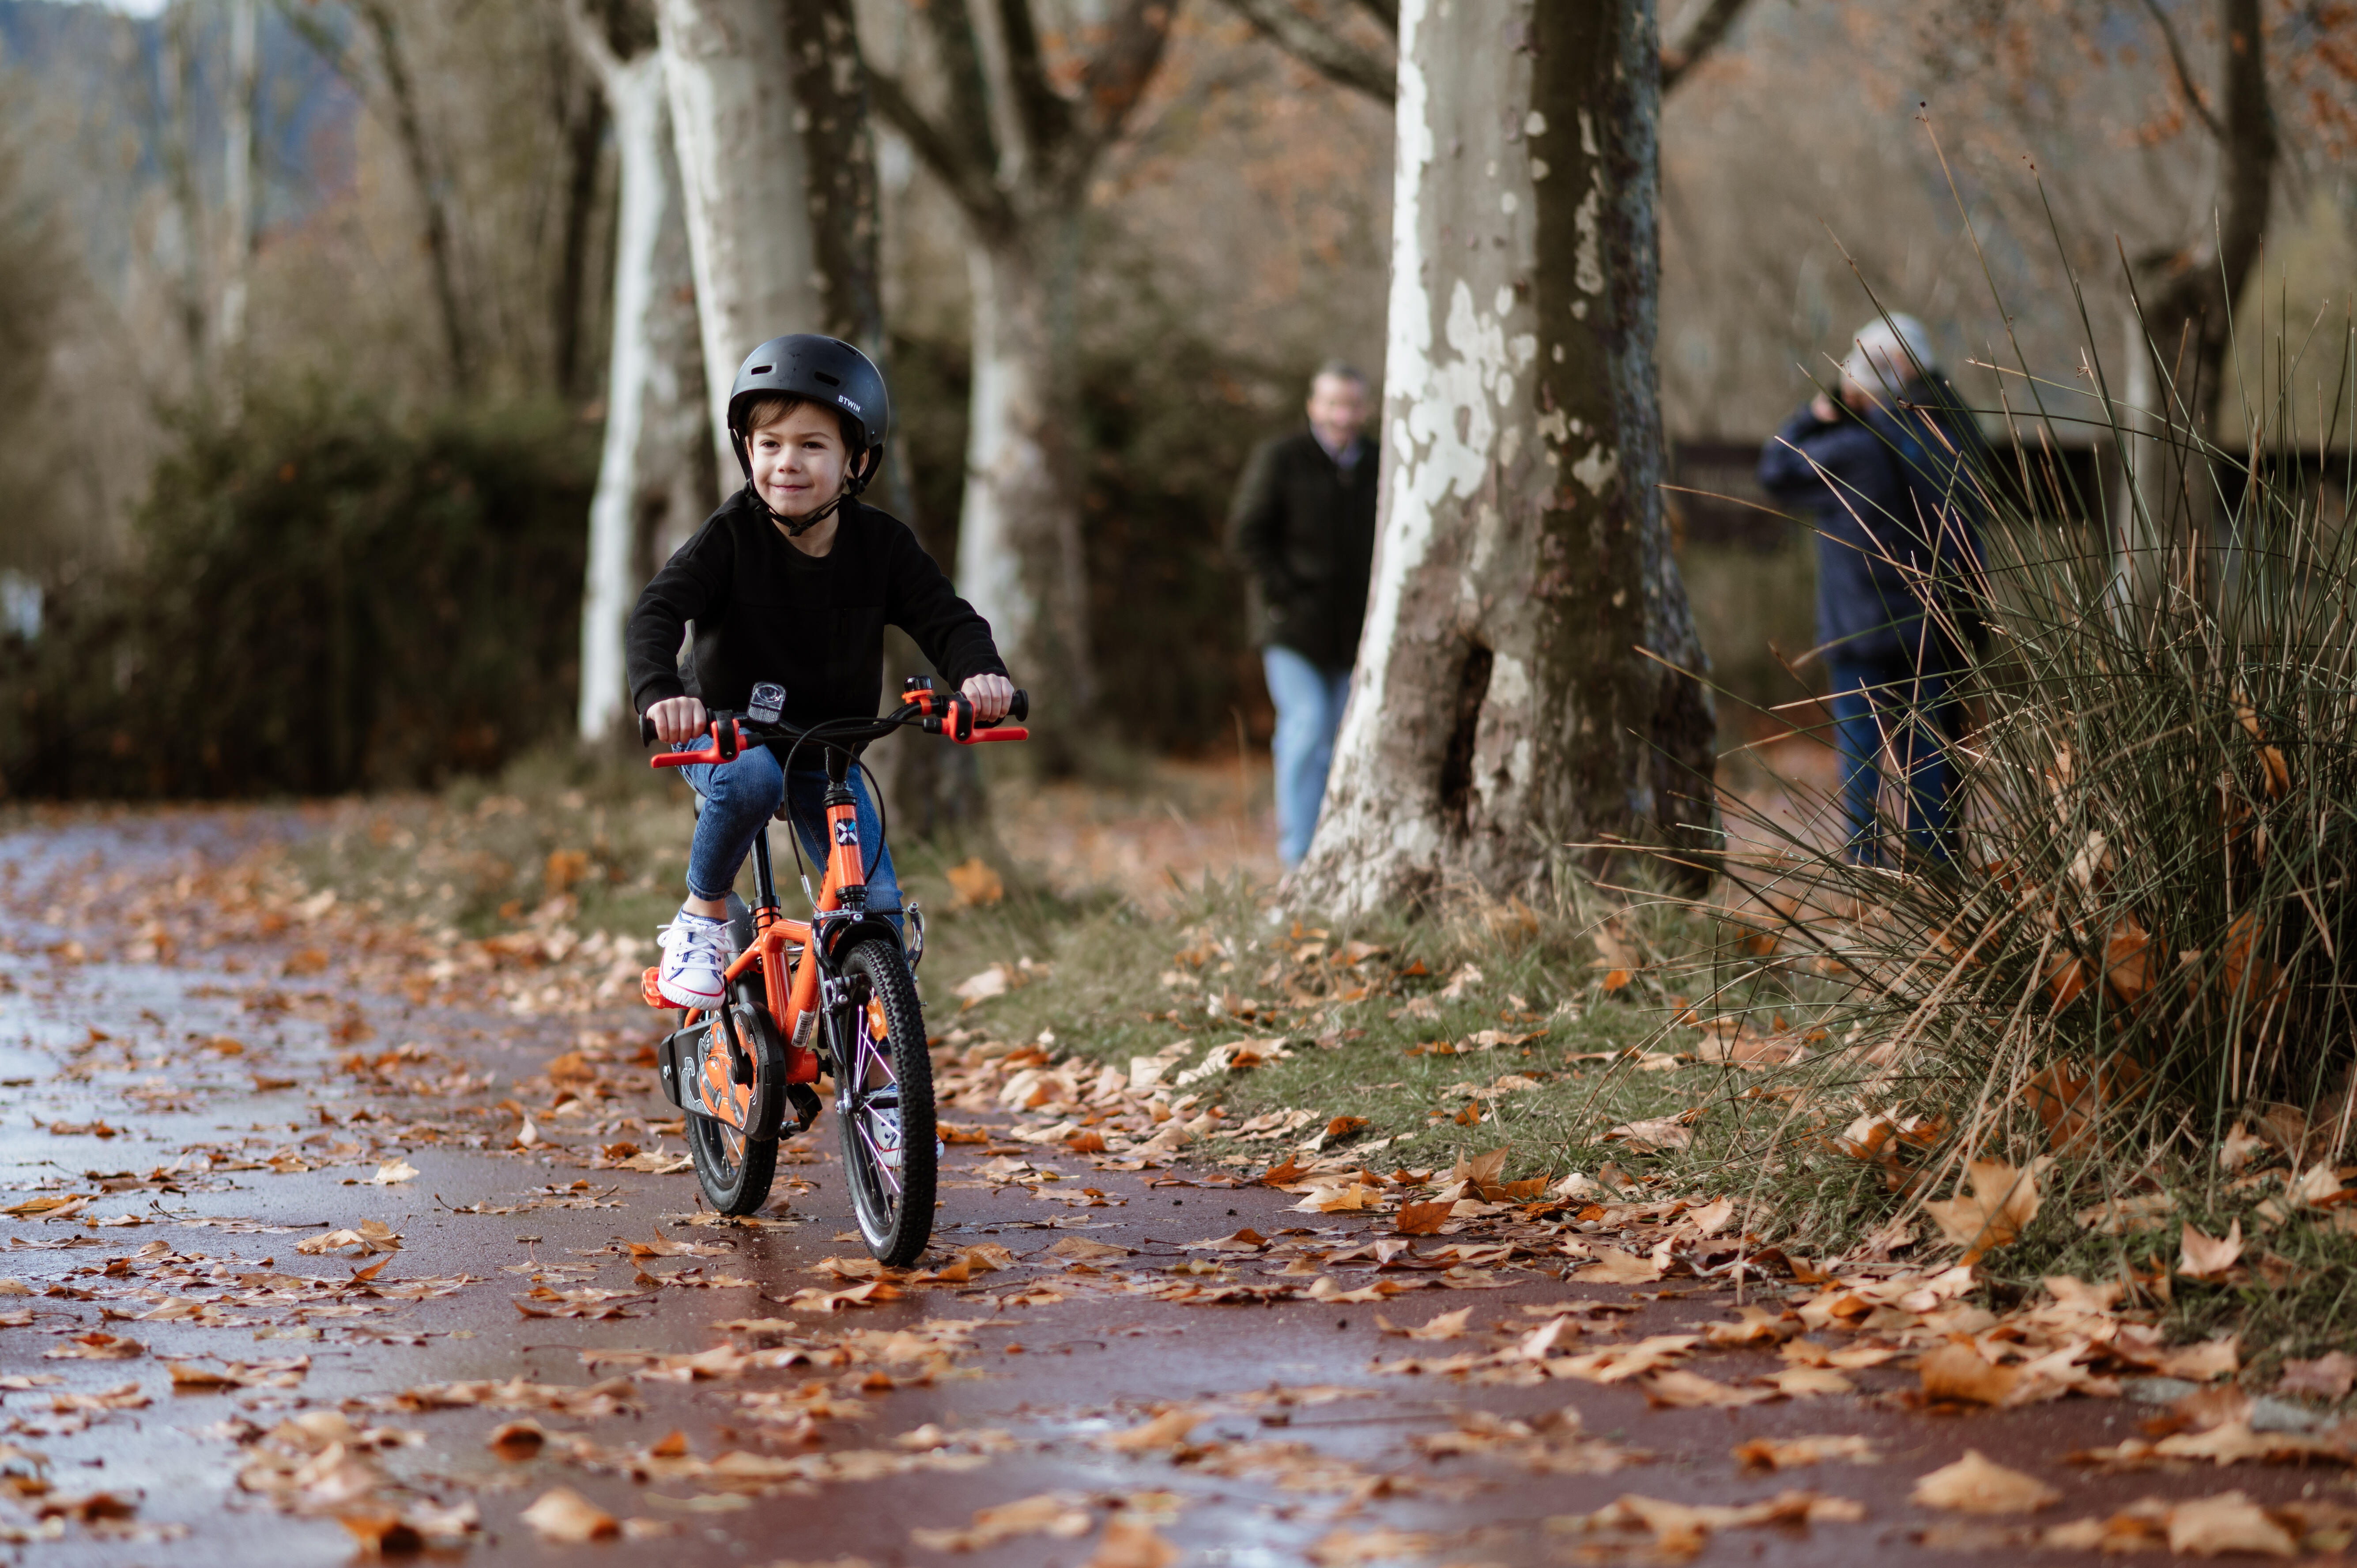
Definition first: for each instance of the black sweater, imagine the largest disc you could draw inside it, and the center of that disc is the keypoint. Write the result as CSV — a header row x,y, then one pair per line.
x,y
1305,531
765,611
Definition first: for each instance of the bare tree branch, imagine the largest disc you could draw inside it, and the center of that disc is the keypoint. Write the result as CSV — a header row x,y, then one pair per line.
x,y
2193,291
1043,115
1328,53
590,41
964,163
966,115
1344,63
409,128
1707,31
1115,77
2184,70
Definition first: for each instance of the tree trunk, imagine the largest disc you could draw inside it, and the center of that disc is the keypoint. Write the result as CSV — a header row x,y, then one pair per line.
x,y
678,485
181,242
433,189
1014,145
237,189
1019,557
1518,686
635,99
2182,329
584,118
742,173
930,790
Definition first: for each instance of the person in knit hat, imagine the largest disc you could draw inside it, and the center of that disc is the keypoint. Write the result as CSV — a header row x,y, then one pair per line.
x,y
1889,468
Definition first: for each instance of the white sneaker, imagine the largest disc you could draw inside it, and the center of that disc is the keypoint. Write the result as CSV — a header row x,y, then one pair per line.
x,y
695,952
885,1124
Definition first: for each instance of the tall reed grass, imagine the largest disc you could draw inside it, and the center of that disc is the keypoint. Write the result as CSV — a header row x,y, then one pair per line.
x,y
2135,943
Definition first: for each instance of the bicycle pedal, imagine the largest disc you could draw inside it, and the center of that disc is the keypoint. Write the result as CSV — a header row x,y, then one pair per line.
x,y
649,991
806,1104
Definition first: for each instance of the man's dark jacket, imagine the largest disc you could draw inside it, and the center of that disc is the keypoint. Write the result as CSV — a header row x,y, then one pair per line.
x,y
1304,533
765,611
1896,494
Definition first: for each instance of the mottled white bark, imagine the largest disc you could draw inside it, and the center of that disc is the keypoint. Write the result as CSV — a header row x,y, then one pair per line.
x,y
237,184
1504,705
1019,558
635,100
1016,145
743,178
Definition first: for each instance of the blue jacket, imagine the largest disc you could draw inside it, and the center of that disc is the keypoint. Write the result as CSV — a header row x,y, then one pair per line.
x,y
1896,495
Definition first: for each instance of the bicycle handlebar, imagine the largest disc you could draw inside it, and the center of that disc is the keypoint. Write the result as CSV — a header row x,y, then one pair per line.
x,y
727,733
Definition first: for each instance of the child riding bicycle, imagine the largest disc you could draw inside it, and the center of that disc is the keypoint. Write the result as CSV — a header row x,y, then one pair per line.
x,y
792,580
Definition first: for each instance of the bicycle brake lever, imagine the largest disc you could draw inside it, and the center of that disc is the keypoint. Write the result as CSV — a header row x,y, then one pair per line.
x,y
709,752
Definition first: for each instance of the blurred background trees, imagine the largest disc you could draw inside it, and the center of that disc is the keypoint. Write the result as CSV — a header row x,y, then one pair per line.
x,y
1108,242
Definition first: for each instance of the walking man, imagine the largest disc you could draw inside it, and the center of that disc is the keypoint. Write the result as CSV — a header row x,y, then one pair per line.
x,y
1304,529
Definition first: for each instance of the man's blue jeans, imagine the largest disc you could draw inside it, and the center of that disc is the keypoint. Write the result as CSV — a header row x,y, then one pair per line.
x,y
1915,716
739,796
1308,701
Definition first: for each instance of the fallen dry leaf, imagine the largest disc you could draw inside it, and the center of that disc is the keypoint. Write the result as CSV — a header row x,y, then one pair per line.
x,y
1657,1136
975,884
517,1440
1446,1326
1130,1541
2231,1443
2003,1202
96,1346
1792,1453
1352,1548
1807,1383
2209,1257
1050,1514
1681,1530
565,1516
2202,1362
982,985
2230,1522
1167,1430
2328,1376
1423,1219
1615,1267
394,1171
1974,1485
1681,1390
370,1236
1957,1371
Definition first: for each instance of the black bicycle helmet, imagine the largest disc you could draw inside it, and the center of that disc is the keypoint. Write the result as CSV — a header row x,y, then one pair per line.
x,y
828,371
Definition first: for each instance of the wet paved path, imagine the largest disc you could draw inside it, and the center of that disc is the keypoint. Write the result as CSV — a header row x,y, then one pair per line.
x,y
180,1383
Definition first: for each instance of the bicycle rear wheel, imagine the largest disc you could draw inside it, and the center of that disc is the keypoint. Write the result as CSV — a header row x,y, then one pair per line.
x,y
734,1170
884,1104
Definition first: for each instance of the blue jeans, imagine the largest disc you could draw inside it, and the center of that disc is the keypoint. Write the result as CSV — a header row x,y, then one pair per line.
x,y
1308,701
1914,713
739,796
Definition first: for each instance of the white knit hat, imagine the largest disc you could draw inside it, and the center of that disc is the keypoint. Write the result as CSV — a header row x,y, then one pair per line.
x,y
1889,353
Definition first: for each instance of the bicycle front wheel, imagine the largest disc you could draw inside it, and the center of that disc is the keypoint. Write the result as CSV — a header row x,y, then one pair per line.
x,y
884,1104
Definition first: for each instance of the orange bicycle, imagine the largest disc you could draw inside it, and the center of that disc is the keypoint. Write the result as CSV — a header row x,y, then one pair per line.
x,y
735,1069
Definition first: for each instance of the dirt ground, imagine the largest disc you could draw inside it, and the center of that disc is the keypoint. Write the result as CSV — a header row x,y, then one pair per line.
x,y
317,1249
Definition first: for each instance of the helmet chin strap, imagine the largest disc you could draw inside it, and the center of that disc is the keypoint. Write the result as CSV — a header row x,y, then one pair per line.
x,y
852,485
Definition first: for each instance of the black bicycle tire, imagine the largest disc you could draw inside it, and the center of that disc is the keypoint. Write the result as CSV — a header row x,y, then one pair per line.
x,y
895,1233
732,1186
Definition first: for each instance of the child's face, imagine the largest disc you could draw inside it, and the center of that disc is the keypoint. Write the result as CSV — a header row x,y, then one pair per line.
x,y
798,460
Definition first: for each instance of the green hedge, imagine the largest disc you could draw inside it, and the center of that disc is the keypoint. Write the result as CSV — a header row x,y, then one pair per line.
x,y
318,600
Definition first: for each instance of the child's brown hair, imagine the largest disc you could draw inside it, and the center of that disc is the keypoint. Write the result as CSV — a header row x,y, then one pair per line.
x,y
773,407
